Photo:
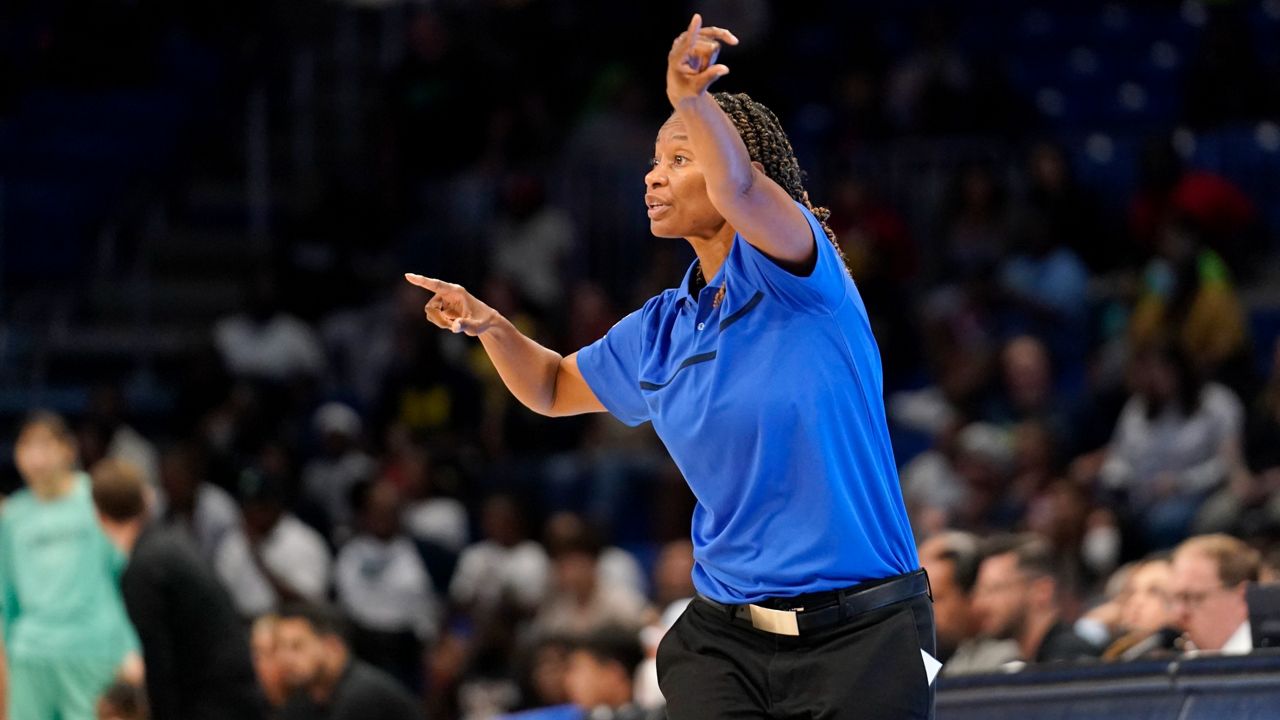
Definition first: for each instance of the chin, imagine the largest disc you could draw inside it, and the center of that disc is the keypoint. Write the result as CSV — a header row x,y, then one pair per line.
x,y
663,230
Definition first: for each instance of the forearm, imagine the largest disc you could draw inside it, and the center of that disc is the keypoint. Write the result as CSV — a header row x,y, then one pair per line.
x,y
528,369
726,165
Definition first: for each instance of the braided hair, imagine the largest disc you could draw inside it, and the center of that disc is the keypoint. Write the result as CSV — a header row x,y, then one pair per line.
x,y
768,144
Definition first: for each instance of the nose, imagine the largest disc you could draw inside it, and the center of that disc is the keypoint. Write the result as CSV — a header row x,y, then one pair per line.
x,y
655,177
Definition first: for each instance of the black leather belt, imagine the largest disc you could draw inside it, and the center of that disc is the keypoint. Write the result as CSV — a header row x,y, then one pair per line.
x,y
808,613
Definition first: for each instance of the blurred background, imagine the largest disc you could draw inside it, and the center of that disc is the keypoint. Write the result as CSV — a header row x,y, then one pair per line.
x,y
1064,218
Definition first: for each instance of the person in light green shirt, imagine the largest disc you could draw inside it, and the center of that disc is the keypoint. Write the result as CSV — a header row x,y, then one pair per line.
x,y
66,634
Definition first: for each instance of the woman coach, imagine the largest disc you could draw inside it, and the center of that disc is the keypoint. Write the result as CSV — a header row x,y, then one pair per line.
x,y
761,376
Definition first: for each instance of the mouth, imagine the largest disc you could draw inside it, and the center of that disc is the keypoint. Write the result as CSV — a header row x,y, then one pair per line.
x,y
656,209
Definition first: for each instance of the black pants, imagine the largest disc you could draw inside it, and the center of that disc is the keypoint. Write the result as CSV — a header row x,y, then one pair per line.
x,y
867,667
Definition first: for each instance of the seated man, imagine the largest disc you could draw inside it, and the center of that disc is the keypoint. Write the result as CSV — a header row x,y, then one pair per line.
x,y
325,679
1016,597
1210,573
951,559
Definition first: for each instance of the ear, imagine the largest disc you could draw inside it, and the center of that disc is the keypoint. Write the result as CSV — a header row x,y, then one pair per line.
x,y
757,165
1043,590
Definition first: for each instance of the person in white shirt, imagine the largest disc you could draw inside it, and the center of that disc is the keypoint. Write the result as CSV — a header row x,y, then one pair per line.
x,y
274,557
1210,574
579,602
615,566
383,586
186,500
505,568
266,343
328,479
1175,442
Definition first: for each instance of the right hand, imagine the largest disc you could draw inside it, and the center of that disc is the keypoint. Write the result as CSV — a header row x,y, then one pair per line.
x,y
453,308
691,64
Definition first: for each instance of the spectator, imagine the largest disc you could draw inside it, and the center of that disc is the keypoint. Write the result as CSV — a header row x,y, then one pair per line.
x,y
505,568
266,662
204,511
673,590
274,557
324,678
327,481
265,342
1016,596
977,234
1067,211
193,645
601,671
1210,573
1026,391
951,559
430,516
673,574
579,602
615,566
598,680
384,589
985,467
56,564
1172,196
1147,614
544,673
105,427
1188,294
531,240
1250,504
1045,285
932,488
1173,445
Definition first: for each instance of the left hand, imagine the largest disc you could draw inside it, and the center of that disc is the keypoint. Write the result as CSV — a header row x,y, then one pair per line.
x,y
691,64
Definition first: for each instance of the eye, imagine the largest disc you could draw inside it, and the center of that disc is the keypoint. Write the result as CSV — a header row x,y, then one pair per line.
x,y
653,162
680,160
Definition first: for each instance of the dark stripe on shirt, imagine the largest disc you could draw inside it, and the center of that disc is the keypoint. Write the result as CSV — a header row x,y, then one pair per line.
x,y
693,360
737,315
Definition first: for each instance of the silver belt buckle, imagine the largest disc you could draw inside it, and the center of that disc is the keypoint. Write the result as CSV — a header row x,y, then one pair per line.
x,y
778,622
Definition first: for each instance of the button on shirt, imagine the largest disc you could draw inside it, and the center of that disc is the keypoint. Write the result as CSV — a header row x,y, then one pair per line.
x,y
773,412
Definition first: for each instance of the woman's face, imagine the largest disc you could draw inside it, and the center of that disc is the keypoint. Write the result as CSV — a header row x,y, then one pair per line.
x,y
675,189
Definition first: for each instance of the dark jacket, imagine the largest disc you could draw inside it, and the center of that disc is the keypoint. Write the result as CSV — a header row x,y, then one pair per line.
x,y
362,693
194,646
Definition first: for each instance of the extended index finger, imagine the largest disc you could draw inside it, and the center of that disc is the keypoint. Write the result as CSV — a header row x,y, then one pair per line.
x,y
426,283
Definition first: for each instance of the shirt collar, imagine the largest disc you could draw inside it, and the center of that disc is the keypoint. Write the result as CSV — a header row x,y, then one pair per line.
x,y
1240,642
683,293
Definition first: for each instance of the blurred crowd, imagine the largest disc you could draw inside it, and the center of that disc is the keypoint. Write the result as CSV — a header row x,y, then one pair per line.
x,y
1086,421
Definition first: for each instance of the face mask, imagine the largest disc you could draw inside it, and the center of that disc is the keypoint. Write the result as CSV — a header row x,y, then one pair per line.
x,y
1100,548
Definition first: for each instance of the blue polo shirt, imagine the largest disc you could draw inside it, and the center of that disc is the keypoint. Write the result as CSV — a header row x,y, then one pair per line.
x,y
771,405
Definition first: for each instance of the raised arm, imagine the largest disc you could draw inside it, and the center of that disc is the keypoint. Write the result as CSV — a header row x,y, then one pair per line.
x,y
756,206
540,378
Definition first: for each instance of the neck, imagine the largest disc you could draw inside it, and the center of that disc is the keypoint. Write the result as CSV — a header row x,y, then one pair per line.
x,y
1033,633
55,487
123,535
712,250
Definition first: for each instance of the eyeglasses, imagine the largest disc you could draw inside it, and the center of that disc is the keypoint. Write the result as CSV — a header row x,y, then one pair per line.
x,y
1194,599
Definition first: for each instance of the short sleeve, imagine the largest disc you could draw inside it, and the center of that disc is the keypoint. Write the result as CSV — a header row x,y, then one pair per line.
x,y
823,288
611,367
